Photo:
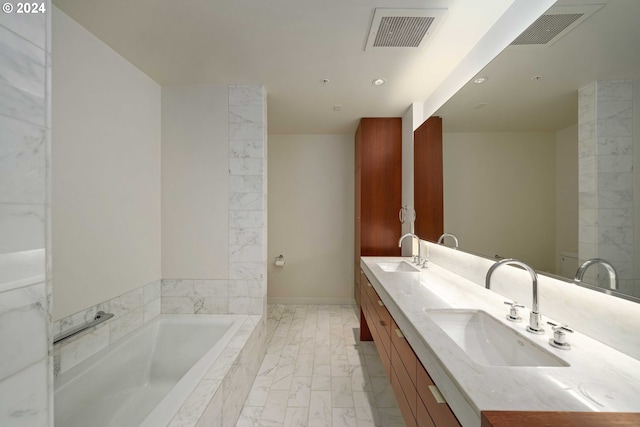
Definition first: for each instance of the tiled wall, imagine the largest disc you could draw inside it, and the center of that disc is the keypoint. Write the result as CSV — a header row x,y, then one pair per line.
x,y
605,135
131,310
25,279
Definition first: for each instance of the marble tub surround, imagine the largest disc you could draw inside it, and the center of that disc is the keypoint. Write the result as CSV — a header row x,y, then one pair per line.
x,y
610,320
599,378
218,399
132,310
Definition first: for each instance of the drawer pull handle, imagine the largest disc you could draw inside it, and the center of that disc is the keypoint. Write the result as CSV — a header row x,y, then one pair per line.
x,y
380,303
381,322
436,394
399,333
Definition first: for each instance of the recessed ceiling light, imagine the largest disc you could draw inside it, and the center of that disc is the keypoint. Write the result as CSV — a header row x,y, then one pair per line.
x,y
480,80
378,82
480,106
536,78
325,81
337,107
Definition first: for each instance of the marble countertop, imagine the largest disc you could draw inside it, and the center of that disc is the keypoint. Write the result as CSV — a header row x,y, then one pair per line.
x,y
598,378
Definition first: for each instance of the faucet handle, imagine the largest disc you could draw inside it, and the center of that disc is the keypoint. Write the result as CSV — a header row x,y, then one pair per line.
x,y
559,339
513,315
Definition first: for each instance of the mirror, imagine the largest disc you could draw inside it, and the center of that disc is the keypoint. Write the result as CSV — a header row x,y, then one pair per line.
x,y
520,178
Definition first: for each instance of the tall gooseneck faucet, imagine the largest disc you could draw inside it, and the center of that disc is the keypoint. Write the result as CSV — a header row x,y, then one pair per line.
x,y
417,260
455,239
613,276
535,318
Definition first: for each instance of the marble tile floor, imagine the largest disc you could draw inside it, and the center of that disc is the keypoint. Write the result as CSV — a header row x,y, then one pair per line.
x,y
316,373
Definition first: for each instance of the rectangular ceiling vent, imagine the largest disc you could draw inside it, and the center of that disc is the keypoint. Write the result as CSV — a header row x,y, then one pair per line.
x,y
555,24
393,28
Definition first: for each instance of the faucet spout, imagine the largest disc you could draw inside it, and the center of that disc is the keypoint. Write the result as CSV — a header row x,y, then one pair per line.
x,y
535,318
416,261
455,239
613,276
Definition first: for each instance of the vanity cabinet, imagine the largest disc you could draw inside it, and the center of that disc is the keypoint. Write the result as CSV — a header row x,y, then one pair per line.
x,y
378,189
418,398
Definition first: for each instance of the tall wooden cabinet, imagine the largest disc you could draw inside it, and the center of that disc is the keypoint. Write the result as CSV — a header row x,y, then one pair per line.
x,y
427,181
378,189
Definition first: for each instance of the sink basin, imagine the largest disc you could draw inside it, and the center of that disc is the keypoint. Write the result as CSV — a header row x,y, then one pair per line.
x,y
489,342
397,266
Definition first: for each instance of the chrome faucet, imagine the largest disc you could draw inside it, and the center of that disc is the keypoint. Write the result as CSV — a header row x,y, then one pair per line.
x,y
535,318
455,239
613,276
416,259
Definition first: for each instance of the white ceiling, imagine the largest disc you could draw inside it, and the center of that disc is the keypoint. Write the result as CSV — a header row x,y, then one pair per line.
x,y
289,46
606,46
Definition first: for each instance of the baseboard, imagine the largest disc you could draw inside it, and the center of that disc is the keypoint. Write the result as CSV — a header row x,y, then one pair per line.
x,y
311,301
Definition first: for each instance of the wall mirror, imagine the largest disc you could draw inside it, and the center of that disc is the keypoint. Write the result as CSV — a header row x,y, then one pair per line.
x,y
513,164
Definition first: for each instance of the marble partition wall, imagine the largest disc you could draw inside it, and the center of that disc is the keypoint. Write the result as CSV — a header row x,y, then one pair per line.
x,y
26,397
247,200
605,171
244,289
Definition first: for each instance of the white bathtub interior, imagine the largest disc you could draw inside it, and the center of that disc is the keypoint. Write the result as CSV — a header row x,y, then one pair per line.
x,y
145,378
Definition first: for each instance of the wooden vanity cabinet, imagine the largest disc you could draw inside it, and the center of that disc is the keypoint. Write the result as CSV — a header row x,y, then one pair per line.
x,y
410,381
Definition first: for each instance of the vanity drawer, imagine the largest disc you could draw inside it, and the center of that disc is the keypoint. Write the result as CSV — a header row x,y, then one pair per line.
x,y
403,404
405,382
405,354
422,416
441,413
382,328
383,314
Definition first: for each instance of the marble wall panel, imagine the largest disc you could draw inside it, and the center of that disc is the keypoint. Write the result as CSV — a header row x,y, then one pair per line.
x,y
23,328
132,310
25,287
22,162
606,199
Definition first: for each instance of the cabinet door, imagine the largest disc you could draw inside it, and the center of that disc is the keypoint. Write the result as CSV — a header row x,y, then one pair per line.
x,y
427,179
380,185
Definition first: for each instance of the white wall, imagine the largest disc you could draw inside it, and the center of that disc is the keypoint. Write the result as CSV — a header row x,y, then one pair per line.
x,y
195,175
566,192
311,208
499,194
106,171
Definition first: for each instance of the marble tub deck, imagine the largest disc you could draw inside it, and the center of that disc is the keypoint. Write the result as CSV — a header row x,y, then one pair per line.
x,y
317,373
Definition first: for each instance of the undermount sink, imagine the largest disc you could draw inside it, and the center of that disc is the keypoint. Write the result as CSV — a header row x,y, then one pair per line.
x,y
397,266
489,342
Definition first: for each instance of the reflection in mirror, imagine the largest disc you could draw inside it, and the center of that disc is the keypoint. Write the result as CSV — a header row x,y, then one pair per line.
x,y
538,157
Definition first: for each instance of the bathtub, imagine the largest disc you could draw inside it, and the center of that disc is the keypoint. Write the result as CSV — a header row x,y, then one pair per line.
x,y
143,379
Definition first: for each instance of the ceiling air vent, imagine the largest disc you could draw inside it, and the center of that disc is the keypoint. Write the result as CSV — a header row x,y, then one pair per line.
x,y
554,24
392,28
